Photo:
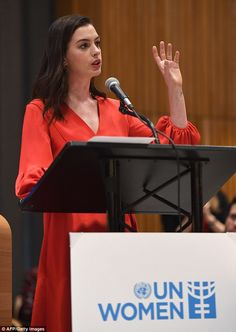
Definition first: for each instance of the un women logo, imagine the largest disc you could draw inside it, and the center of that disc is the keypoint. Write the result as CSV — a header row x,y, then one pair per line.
x,y
202,300
142,290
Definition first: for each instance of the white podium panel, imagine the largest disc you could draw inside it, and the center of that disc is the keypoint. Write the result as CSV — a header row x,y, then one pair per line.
x,y
153,282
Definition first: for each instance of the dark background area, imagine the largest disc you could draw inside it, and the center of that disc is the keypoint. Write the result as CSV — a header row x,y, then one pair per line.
x,y
23,30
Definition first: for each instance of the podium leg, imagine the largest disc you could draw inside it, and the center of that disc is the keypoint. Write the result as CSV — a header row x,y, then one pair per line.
x,y
196,195
114,208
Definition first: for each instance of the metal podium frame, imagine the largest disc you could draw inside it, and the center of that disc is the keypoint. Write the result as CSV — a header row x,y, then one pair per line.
x,y
120,178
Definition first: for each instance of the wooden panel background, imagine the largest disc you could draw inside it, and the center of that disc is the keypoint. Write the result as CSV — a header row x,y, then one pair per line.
x,y
204,31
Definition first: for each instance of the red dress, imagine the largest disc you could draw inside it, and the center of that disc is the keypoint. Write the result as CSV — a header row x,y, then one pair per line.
x,y
40,145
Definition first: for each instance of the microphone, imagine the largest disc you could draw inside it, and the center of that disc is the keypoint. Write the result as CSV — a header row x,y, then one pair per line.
x,y
126,106
113,85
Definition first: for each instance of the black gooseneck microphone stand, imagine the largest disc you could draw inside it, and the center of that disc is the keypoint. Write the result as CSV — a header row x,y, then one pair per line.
x,y
124,110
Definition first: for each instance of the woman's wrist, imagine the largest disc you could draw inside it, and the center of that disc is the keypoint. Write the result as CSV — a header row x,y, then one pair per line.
x,y
177,107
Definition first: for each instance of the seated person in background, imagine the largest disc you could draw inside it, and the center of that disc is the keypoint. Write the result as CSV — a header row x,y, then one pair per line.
x,y
215,213
230,222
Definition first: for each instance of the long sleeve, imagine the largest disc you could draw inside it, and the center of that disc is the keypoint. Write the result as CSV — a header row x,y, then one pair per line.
x,y
187,135
36,154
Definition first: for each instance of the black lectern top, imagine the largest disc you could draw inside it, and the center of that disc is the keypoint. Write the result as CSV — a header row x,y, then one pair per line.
x,y
77,180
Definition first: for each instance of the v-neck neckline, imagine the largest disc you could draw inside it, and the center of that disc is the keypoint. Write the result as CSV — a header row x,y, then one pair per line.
x,y
77,117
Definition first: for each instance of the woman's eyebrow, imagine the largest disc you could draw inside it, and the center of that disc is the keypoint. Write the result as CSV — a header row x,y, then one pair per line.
x,y
86,39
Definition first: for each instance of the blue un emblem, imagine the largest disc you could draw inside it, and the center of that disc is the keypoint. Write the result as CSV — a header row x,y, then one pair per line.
x,y
142,290
201,300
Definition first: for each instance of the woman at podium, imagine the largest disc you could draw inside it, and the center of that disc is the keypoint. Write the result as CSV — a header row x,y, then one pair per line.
x,y
66,106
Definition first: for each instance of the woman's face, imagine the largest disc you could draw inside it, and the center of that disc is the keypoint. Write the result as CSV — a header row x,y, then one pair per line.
x,y
83,57
231,220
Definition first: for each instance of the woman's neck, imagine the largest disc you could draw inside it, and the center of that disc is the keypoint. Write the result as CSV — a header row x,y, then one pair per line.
x,y
79,90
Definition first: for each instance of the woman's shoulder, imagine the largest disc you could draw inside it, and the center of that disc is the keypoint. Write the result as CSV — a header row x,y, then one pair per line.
x,y
35,111
36,108
108,102
36,104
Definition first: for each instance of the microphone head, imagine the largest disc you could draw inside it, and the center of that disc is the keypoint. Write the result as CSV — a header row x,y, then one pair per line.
x,y
111,81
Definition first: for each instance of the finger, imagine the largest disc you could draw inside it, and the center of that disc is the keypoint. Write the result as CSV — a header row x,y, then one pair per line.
x,y
162,50
176,58
156,55
155,52
169,52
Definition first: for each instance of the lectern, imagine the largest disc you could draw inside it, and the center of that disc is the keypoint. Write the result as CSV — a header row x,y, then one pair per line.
x,y
119,178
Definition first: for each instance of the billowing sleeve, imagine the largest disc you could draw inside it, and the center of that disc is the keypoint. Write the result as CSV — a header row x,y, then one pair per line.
x,y
187,135
36,154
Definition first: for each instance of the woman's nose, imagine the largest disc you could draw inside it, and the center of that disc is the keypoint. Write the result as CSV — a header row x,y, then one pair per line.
x,y
95,50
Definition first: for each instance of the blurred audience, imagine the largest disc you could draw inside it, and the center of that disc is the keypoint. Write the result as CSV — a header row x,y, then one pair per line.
x,y
230,222
214,216
215,213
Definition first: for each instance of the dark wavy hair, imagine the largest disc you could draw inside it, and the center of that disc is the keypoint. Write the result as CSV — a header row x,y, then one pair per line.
x,y
51,84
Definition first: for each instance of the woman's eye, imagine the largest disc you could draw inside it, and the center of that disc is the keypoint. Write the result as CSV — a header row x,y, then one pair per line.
x,y
84,45
98,43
